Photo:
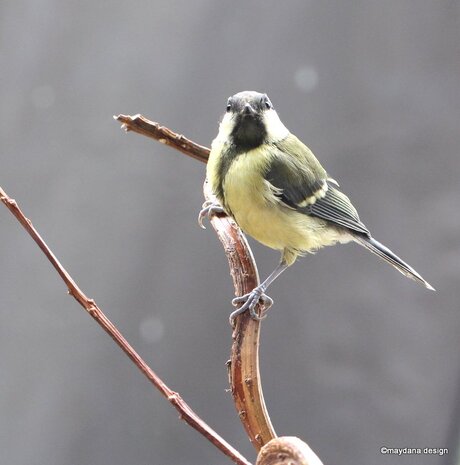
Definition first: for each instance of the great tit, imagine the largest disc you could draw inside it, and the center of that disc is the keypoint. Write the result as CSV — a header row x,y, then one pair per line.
x,y
277,192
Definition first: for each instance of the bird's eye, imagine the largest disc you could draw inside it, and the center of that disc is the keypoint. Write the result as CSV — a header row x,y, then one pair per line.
x,y
229,105
268,104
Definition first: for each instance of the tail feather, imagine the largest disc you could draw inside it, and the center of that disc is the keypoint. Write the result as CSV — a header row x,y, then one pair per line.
x,y
386,254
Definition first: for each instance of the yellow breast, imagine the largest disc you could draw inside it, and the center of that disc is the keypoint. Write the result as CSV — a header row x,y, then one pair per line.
x,y
261,214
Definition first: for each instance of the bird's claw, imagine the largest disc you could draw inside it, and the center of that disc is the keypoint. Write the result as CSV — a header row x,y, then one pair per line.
x,y
250,300
209,209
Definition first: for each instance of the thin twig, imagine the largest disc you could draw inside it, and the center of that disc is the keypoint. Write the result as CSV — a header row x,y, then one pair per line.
x,y
141,125
186,413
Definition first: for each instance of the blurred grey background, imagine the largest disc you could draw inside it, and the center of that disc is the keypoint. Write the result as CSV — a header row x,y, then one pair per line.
x,y
354,356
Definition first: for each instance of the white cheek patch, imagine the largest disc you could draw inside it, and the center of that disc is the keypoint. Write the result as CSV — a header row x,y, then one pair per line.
x,y
225,128
276,130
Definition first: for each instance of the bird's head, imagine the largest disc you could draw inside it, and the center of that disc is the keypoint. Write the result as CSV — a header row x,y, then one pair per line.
x,y
250,121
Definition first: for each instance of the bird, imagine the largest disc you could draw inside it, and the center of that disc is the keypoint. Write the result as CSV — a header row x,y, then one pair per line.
x,y
277,192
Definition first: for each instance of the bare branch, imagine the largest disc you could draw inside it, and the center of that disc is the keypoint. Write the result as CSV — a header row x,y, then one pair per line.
x,y
141,125
244,369
244,365
186,413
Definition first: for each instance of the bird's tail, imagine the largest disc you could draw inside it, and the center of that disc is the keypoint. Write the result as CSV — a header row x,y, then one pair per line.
x,y
386,254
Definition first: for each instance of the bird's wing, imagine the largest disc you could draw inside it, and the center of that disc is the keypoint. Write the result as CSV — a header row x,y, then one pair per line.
x,y
302,183
336,208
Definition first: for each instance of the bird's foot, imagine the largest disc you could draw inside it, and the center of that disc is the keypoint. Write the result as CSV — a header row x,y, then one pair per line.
x,y
250,301
208,209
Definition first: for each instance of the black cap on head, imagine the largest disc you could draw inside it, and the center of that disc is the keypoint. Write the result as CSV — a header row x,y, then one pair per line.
x,y
243,101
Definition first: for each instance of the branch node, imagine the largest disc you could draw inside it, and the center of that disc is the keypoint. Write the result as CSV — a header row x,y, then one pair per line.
x,y
93,310
174,398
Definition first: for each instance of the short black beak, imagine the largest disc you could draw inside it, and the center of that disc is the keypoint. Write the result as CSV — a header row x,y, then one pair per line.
x,y
248,110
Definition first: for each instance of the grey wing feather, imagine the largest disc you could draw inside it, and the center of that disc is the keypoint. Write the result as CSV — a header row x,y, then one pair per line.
x,y
336,208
